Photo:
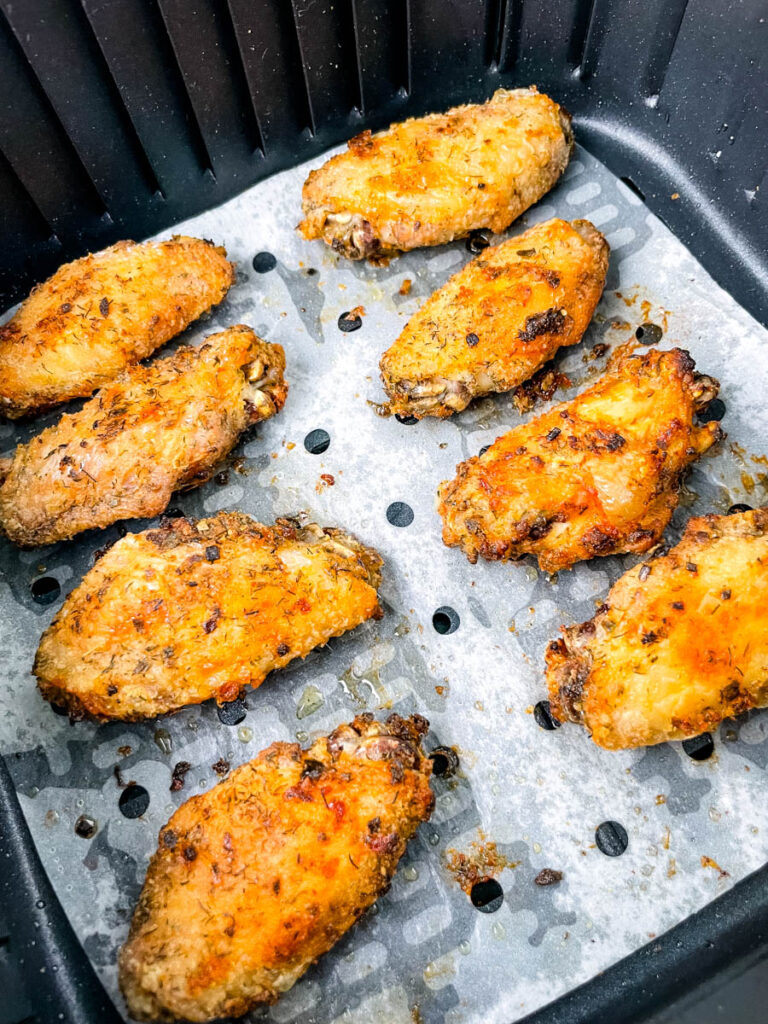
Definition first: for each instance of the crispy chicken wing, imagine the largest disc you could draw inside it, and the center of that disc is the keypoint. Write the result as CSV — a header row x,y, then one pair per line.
x,y
598,475
176,615
79,328
492,325
680,644
256,879
154,430
435,178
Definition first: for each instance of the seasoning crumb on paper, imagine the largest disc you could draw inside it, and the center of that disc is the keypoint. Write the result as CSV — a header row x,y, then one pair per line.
x,y
707,862
479,863
180,769
548,876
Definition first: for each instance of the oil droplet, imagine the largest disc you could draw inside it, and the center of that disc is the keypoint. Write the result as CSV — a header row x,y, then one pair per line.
x,y
464,947
33,791
537,847
245,734
498,929
163,740
79,802
349,683
309,702
531,573
39,904
52,818
714,814
302,736
402,628
434,838
410,874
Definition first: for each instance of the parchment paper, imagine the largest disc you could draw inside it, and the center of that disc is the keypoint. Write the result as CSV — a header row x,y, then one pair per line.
x,y
538,795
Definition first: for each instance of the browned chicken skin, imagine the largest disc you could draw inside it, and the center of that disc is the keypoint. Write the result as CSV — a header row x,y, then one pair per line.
x,y
95,316
256,879
189,611
496,321
598,475
679,645
432,179
154,430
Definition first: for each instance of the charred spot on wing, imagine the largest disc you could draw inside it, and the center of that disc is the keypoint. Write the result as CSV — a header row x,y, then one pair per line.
x,y
551,321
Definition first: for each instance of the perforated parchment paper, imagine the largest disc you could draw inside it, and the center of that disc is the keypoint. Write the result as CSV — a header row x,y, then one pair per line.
x,y
538,795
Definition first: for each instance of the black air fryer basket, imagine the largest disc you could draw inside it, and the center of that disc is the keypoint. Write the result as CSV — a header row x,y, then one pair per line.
x,y
119,118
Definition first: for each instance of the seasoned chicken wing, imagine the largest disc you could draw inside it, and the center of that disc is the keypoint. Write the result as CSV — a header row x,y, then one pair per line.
x,y
598,475
492,325
95,316
435,178
176,615
256,879
679,645
154,430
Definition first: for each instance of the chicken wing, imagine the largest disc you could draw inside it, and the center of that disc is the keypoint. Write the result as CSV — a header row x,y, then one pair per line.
x,y
680,644
176,615
598,475
154,430
435,178
103,312
492,325
256,879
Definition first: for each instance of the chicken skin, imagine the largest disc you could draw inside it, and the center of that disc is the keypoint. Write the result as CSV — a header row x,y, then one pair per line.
x,y
499,319
154,430
95,316
188,611
598,475
257,878
679,645
432,179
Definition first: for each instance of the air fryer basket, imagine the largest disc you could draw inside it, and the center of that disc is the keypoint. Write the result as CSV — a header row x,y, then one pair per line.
x,y
119,119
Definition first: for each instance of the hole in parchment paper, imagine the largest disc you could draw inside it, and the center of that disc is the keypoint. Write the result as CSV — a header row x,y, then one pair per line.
x,y
233,712
649,334
45,590
263,262
478,241
407,420
446,620
86,827
699,747
713,412
133,802
399,514
445,762
543,717
348,322
317,441
487,895
634,188
740,506
611,838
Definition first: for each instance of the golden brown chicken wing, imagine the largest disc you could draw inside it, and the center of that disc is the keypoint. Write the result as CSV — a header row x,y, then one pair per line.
x,y
492,325
256,879
189,611
679,645
154,430
103,312
598,475
435,178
